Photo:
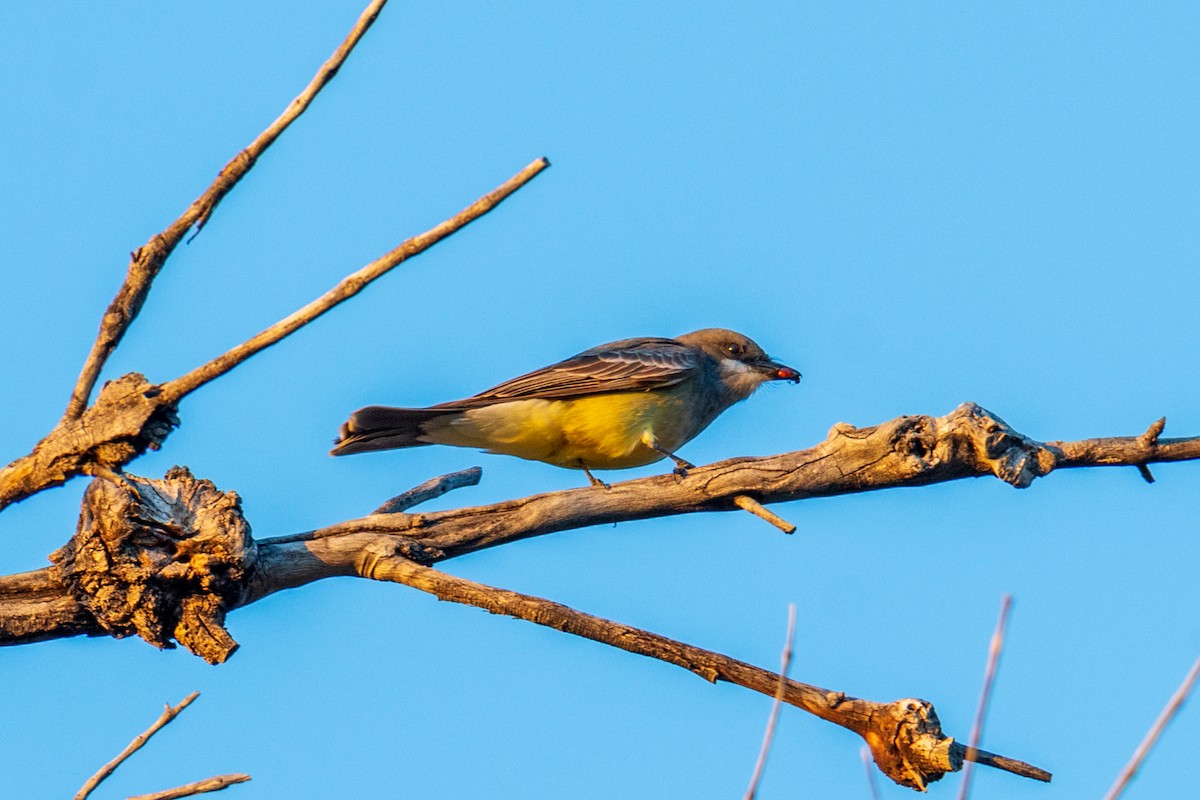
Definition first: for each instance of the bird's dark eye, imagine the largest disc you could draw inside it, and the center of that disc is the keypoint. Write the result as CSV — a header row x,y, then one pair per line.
x,y
735,349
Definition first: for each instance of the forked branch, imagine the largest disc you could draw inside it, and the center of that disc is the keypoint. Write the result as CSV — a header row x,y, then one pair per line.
x,y
132,415
212,784
166,560
146,262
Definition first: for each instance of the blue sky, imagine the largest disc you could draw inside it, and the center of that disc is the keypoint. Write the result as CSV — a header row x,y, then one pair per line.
x,y
916,205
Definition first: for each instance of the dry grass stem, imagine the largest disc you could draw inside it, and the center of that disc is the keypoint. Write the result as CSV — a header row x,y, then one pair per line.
x,y
985,694
1155,731
785,661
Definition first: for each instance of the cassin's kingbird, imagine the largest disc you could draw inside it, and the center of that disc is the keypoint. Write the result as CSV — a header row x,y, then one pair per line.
x,y
624,404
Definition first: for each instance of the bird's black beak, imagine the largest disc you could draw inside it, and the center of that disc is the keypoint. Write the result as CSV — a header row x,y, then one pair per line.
x,y
779,372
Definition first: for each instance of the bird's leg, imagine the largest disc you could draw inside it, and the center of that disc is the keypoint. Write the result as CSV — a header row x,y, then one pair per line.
x,y
594,480
681,466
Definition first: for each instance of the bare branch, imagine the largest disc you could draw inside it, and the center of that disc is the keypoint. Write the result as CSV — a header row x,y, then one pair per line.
x,y
1155,731
907,451
213,784
349,286
132,415
1000,762
905,736
1149,439
36,606
985,694
168,714
430,489
785,661
748,503
146,262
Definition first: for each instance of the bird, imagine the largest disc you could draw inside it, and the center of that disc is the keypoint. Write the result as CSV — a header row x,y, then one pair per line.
x,y
619,405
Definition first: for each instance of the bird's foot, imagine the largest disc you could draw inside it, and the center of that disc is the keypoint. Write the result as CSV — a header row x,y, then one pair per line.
x,y
681,468
593,479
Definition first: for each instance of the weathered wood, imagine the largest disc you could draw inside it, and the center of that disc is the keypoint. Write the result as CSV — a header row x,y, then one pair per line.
x,y
147,261
132,415
166,559
907,451
160,559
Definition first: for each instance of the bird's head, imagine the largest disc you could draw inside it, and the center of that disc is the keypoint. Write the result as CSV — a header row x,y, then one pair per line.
x,y
744,366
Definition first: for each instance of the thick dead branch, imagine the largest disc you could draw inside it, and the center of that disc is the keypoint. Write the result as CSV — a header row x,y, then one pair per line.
x,y
36,606
172,556
168,558
146,262
907,451
131,414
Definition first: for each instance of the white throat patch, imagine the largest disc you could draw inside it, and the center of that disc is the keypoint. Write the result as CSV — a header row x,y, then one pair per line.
x,y
741,378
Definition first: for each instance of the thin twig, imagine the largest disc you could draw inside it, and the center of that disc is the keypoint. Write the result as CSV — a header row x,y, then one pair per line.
x,y
174,390
872,784
1148,440
985,694
748,503
1150,437
785,661
168,714
213,784
146,262
434,487
1155,731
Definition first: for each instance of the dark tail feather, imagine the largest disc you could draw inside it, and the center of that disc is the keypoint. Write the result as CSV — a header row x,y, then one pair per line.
x,y
382,428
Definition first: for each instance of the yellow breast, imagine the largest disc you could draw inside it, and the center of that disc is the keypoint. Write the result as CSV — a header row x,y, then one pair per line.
x,y
601,431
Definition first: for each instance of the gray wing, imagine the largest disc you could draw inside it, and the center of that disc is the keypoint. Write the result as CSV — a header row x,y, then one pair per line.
x,y
626,366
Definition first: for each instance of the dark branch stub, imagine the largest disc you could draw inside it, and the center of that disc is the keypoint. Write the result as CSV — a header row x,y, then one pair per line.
x,y
160,559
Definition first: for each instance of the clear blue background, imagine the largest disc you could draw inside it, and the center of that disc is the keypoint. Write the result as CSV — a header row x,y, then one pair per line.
x,y
915,204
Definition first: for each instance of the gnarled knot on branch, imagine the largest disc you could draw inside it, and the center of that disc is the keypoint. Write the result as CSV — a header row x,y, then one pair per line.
x,y
163,559
908,745
968,441
130,415
143,419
